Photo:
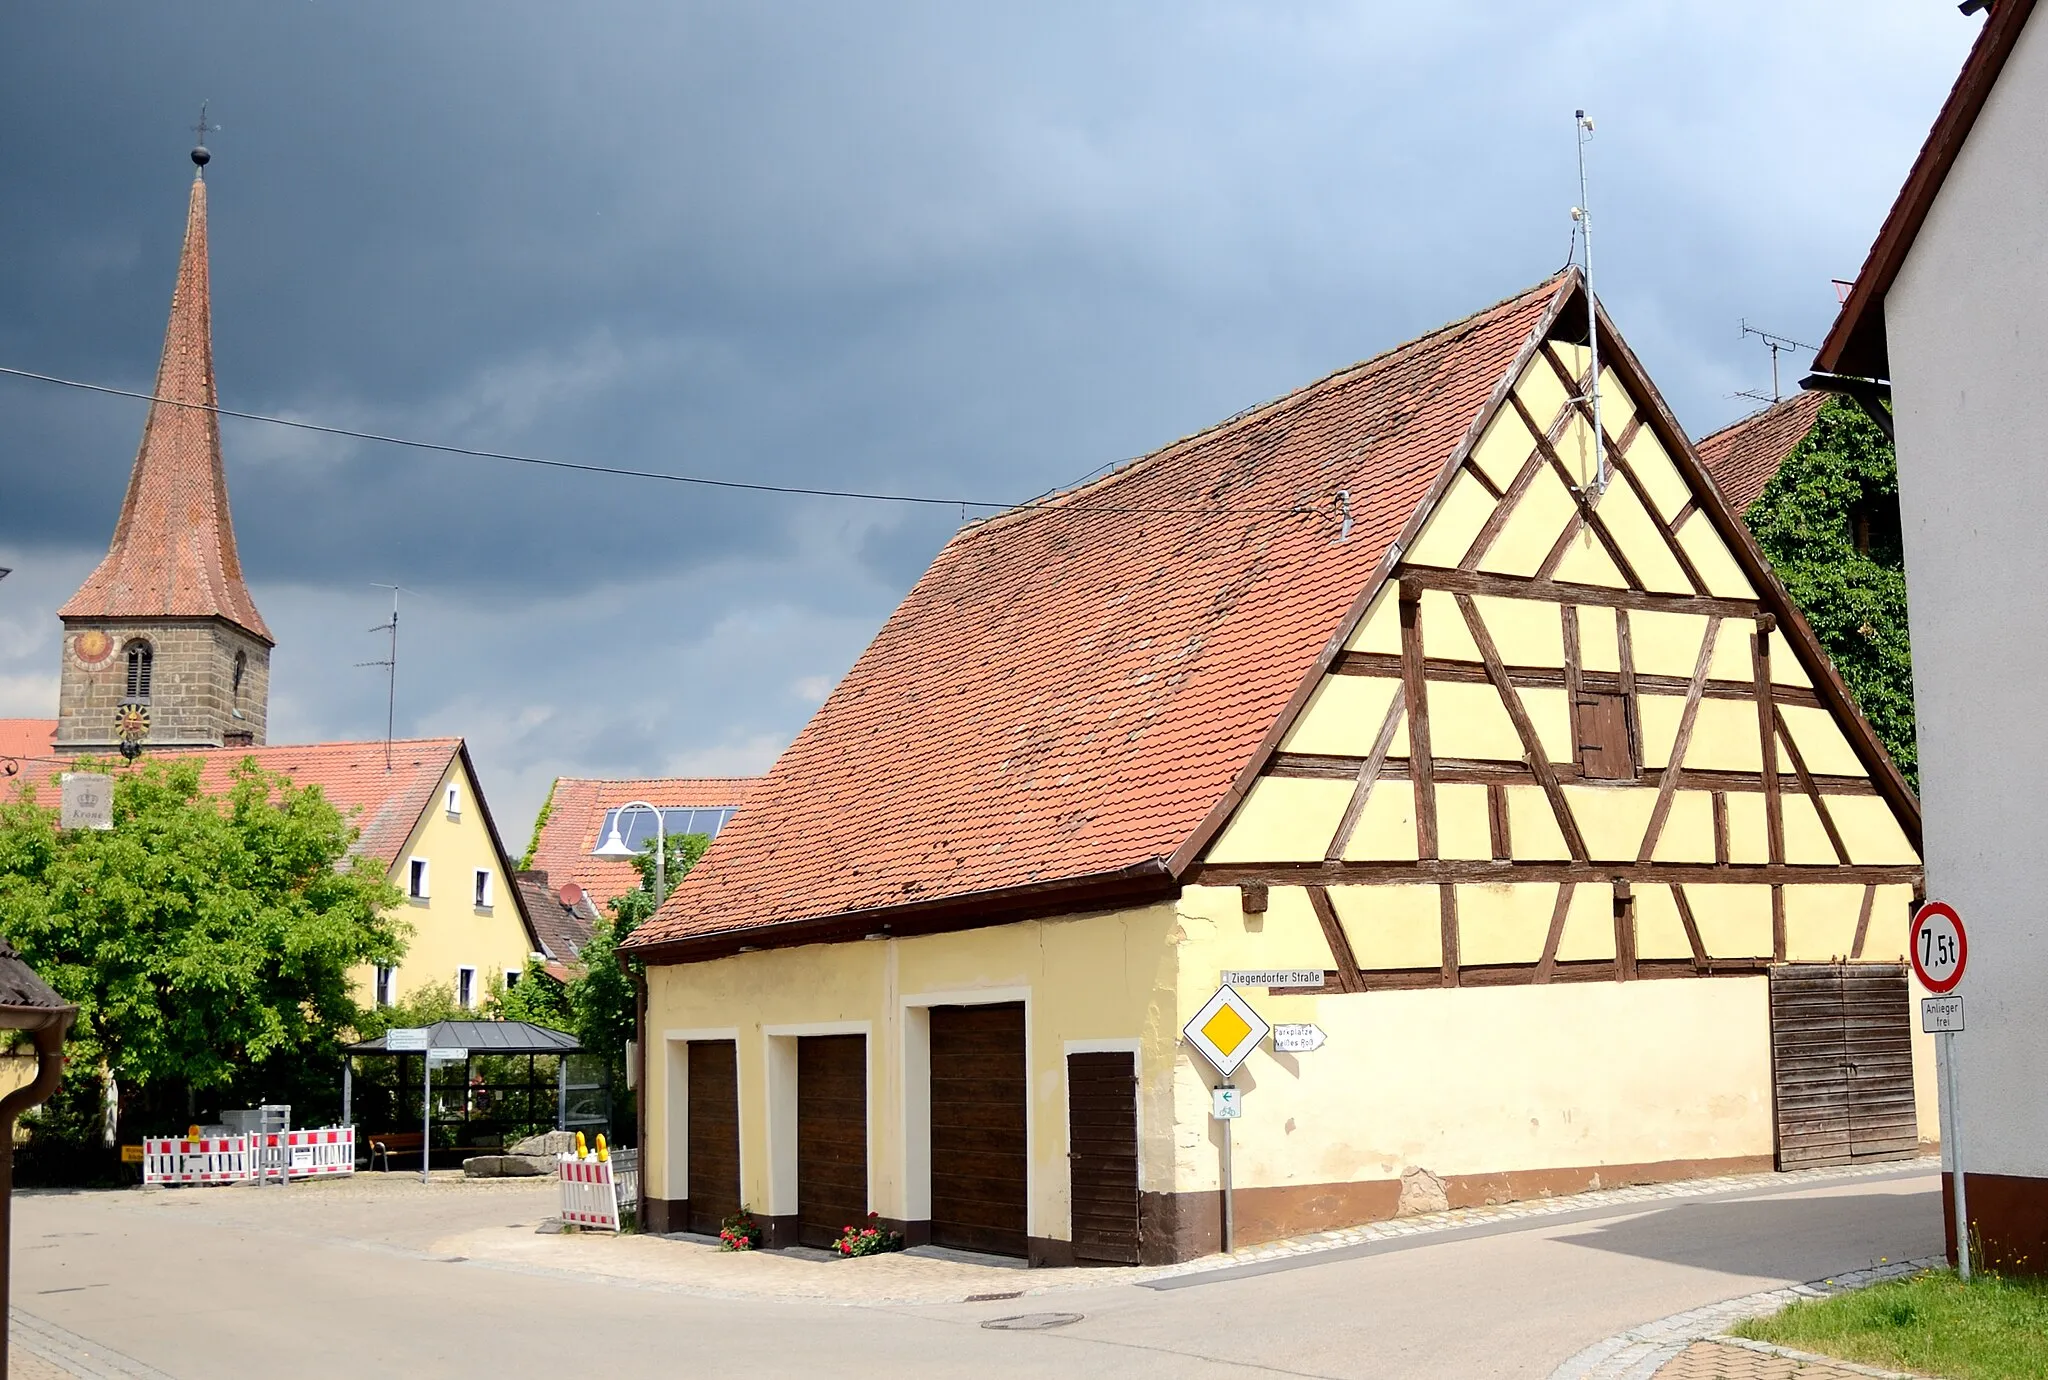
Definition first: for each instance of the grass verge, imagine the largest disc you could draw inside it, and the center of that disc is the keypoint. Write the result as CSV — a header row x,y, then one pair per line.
x,y
1993,1328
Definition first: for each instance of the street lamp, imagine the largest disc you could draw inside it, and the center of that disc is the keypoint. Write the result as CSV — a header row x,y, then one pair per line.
x,y
618,849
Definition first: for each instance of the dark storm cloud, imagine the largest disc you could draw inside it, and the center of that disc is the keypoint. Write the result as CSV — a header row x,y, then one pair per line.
x,y
960,249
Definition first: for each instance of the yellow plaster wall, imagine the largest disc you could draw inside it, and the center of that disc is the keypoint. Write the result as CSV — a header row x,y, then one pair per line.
x,y
1107,977
1391,926
1344,715
1459,515
449,931
1480,1080
1386,827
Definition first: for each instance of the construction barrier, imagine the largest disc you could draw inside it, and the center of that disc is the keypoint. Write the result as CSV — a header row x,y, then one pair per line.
x,y
590,1195
239,1159
176,1160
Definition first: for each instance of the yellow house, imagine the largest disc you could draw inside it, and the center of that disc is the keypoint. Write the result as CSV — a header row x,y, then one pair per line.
x,y
1495,754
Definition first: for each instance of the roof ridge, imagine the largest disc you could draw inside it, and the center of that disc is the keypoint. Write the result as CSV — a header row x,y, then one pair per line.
x,y
1060,498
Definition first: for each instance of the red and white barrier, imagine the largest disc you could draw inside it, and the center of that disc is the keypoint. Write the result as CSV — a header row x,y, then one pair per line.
x,y
590,1194
178,1160
237,1159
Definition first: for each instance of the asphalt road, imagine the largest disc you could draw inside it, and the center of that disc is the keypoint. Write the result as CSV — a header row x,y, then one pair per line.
x,y
198,1284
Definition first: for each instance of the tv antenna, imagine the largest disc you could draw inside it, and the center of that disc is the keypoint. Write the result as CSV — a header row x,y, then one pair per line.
x,y
1582,215
390,665
1778,345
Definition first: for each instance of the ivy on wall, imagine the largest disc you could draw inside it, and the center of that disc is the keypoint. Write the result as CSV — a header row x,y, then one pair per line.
x,y
1829,522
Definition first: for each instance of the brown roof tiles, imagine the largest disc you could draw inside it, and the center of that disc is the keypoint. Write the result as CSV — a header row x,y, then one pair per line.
x,y
1743,457
1071,689
173,553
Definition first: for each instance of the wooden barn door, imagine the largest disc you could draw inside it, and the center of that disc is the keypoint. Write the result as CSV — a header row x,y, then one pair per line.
x,y
831,1135
714,1134
1842,1060
980,1161
1102,1155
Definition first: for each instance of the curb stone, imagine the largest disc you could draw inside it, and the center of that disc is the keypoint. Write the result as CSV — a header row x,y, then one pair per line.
x,y
1642,1351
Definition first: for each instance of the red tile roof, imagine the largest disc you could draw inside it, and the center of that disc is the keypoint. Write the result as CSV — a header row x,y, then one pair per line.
x,y
384,805
27,737
1742,458
173,553
576,809
1856,343
1070,691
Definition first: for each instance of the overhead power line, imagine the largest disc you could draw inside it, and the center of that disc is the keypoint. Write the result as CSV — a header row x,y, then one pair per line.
x,y
543,462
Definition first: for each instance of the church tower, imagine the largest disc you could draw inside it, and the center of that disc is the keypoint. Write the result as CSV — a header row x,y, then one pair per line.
x,y
162,644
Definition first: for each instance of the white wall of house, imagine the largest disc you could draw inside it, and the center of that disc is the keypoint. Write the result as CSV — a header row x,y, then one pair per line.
x,y
1967,324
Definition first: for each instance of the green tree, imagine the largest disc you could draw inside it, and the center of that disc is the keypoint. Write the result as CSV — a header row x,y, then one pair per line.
x,y
205,940
1829,522
538,998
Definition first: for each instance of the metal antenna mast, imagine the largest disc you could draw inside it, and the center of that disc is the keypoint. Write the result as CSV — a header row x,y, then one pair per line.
x,y
1583,214
1778,344
390,665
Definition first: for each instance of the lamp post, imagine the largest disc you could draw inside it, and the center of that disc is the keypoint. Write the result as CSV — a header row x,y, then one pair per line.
x,y
616,847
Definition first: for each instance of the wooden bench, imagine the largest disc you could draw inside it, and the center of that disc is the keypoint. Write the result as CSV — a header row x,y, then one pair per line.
x,y
385,1144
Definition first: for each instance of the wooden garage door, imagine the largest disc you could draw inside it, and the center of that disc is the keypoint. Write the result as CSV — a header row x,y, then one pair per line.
x,y
979,1156
1842,1061
831,1135
1102,1155
714,1130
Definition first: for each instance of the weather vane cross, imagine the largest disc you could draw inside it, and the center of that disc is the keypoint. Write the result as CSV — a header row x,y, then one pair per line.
x,y
200,157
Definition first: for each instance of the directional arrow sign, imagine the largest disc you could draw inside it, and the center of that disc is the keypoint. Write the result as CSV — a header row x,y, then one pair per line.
x,y
1293,1038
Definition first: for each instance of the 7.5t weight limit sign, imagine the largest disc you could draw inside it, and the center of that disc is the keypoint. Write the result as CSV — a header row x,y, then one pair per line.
x,y
1938,946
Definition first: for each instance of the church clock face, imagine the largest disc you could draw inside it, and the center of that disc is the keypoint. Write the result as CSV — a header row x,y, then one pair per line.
x,y
131,722
92,647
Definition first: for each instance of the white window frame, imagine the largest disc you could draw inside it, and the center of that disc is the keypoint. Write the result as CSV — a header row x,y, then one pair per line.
x,y
452,802
481,894
386,985
417,886
465,987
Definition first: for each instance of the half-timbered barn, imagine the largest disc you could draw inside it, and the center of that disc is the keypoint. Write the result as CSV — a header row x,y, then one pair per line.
x,y
1508,737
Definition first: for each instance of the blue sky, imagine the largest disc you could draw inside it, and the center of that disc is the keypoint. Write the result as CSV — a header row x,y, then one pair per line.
x,y
922,247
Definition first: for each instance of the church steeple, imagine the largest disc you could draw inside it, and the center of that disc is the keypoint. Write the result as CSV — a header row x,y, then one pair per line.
x,y
171,581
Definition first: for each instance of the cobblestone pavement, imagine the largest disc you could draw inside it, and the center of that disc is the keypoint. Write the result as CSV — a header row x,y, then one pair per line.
x,y
38,1349
1734,1361
696,1265
1671,1348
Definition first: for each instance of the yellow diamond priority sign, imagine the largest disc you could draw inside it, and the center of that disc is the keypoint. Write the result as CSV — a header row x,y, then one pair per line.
x,y
1226,1030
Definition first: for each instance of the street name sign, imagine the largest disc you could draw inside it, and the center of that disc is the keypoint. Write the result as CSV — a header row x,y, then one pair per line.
x,y
446,1056
1272,977
1226,1030
1297,1038
406,1039
1939,948
88,801
1227,1104
1941,1015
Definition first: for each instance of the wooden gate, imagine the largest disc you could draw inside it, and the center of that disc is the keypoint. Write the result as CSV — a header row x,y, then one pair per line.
x,y
714,1134
831,1135
1102,1155
1842,1063
980,1160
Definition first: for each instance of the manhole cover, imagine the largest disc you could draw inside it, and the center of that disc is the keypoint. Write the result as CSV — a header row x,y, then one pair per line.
x,y
1031,1322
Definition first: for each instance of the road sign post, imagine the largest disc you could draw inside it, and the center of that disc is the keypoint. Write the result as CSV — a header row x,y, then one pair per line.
x,y
1226,1030
1940,949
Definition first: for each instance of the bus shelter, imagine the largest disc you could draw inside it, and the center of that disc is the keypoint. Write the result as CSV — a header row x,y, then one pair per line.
x,y
511,1079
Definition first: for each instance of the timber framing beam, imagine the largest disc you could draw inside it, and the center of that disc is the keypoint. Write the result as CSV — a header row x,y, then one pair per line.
x,y
1558,592
1533,754
1524,974
1476,871
1469,772
1553,678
